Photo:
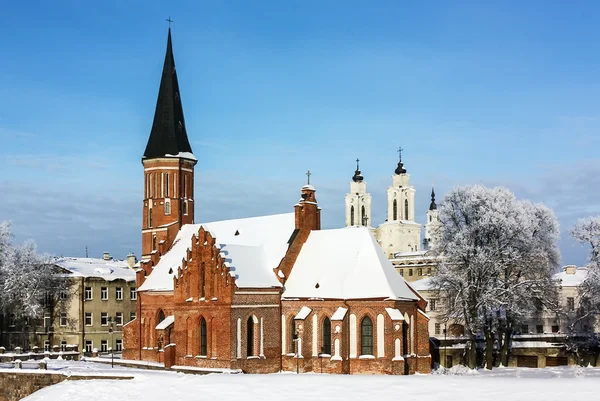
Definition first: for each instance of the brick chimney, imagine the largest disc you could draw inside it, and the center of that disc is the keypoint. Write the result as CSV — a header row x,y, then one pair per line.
x,y
308,218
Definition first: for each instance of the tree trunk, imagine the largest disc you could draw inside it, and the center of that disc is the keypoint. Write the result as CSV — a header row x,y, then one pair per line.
x,y
471,352
505,350
489,348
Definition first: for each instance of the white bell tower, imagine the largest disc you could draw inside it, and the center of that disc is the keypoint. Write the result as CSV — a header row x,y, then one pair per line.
x,y
358,201
433,221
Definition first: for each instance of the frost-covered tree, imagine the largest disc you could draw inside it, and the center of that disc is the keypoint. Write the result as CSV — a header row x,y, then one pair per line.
x,y
30,284
587,231
498,255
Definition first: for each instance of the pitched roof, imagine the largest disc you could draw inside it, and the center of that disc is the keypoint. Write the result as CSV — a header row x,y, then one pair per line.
x,y
108,270
252,248
168,136
344,263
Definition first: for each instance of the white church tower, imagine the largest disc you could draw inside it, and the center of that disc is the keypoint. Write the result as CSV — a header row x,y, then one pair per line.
x,y
433,221
400,233
358,201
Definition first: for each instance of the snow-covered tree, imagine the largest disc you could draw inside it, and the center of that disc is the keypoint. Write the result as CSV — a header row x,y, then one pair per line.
x,y
587,231
30,284
498,255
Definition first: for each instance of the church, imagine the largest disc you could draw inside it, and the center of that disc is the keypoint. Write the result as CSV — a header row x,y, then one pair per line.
x,y
271,293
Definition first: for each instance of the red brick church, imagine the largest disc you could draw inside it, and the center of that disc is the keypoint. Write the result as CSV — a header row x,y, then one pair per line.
x,y
261,294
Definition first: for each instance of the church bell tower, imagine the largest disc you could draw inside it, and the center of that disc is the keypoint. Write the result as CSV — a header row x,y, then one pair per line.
x,y
168,167
358,201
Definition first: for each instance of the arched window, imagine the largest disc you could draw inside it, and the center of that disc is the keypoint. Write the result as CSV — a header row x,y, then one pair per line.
x,y
366,336
250,336
202,281
202,337
395,210
351,215
150,217
406,209
185,207
161,316
362,217
167,207
293,336
167,185
326,349
154,243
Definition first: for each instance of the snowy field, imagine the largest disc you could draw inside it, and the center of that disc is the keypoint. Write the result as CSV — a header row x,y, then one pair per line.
x,y
498,385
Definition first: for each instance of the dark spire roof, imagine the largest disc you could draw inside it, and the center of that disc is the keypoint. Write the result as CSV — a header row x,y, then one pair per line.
x,y
400,169
168,135
357,177
432,205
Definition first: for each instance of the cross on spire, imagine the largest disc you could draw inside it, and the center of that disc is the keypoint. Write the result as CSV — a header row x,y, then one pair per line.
x,y
400,152
169,20
308,174
357,160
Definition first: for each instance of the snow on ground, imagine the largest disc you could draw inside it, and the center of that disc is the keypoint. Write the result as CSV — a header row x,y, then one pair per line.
x,y
501,384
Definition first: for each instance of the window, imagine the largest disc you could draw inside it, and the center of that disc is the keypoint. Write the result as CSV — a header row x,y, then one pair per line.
x,y
103,345
185,205
167,207
429,271
419,271
326,349
406,209
104,319
524,329
161,316
154,243
167,186
250,336
119,293
438,329
410,272
88,318
88,293
118,345
432,304
11,320
47,320
351,215
63,345
293,336
63,295
46,345
540,329
150,216
570,304
395,210
104,293
401,271
63,319
89,346
203,337
363,218
132,316
132,293
119,318
555,329
366,336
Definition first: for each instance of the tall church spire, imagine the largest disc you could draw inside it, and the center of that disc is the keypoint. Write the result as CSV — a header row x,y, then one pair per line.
x,y
168,135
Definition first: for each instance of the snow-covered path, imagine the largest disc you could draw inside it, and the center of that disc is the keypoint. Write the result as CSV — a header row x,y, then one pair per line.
x,y
501,384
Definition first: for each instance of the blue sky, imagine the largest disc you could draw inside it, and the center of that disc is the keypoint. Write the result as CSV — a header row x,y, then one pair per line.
x,y
499,94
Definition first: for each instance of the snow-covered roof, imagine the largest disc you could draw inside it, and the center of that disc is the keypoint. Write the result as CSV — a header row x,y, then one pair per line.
x,y
184,155
108,270
339,314
395,314
572,280
252,254
304,312
169,320
422,285
406,222
344,263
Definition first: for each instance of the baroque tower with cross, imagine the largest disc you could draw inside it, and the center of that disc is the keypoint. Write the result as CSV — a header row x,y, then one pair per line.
x,y
168,166
358,201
